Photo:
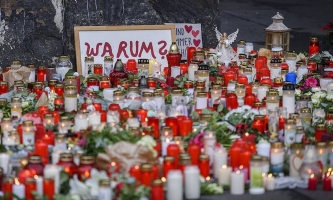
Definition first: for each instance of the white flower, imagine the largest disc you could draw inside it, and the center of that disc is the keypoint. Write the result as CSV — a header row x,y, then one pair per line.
x,y
76,74
297,92
315,99
329,96
149,142
78,187
93,181
25,104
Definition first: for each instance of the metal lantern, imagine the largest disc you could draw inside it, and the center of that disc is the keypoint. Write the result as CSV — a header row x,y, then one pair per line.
x,y
277,34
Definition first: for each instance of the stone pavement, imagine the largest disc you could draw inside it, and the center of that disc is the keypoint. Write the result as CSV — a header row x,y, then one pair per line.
x,y
304,17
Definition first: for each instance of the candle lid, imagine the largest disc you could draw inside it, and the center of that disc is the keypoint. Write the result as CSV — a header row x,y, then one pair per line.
x,y
293,115
257,104
247,69
299,128
330,144
147,94
90,58
79,152
37,87
306,110
173,48
52,81
201,94
118,93
35,159
157,182
149,128
48,179
106,58
276,145
63,58
203,157
306,97
239,85
256,158
28,123
66,157
203,67
105,183
183,155
8,180
297,146
60,136
272,93
64,118
255,84
199,89
321,145
16,100
259,117
176,91
169,159
291,121
195,62
313,39
59,85
186,160
98,66
30,181
17,82
16,62
146,167
158,94
87,159
4,120
216,87
276,60
42,67
329,114
264,159
70,77
91,79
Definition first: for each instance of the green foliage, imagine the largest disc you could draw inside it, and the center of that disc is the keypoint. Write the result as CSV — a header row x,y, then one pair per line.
x,y
210,188
131,191
168,99
181,80
97,142
6,109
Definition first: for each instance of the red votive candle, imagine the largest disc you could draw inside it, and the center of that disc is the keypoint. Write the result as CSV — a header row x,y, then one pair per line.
x,y
204,165
157,192
173,123
173,150
327,183
168,164
135,172
186,126
98,69
312,182
194,151
7,188
146,174
48,188
154,122
142,115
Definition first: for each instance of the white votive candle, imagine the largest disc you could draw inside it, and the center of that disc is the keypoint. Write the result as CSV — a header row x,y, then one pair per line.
x,y
4,162
270,182
220,159
237,183
224,175
192,182
174,185
81,122
94,119
39,184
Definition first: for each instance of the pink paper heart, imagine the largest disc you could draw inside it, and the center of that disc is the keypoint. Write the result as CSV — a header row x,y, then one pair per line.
x,y
188,28
196,42
195,33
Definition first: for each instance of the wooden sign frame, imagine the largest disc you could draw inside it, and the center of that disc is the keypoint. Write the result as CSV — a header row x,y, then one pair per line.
x,y
78,29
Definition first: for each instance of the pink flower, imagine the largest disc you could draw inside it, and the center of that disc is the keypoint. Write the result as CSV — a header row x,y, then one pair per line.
x,y
198,139
311,82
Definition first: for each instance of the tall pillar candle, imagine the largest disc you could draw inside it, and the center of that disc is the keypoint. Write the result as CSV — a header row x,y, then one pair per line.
x,y
220,159
288,98
94,119
175,185
237,183
209,145
192,68
192,182
224,175
4,162
18,190
39,184
262,89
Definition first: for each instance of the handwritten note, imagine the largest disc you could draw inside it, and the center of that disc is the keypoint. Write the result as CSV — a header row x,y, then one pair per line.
x,y
188,35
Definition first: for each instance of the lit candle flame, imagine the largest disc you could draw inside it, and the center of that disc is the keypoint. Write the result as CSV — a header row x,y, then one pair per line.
x,y
17,182
237,172
312,176
113,164
207,178
35,177
270,175
163,179
224,167
241,167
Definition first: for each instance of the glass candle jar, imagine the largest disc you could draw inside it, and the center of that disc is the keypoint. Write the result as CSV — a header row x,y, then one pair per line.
x,y
108,65
289,132
204,165
143,67
288,97
299,134
98,69
70,80
6,126
70,98
241,47
104,189
277,157
306,115
66,161
192,68
64,124
51,84
201,100
4,87
48,119
28,133
322,155
168,164
118,97
313,46
16,107
64,64
157,192
273,125
35,163
87,163
41,73
215,93
295,159
146,174
88,65
256,176
30,188
59,89
91,82
275,68
231,100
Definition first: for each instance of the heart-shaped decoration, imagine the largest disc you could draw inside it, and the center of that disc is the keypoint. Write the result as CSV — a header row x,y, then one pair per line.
x,y
196,42
195,33
296,163
188,28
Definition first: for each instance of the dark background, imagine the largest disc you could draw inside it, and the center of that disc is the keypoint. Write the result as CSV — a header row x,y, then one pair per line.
x,y
30,30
